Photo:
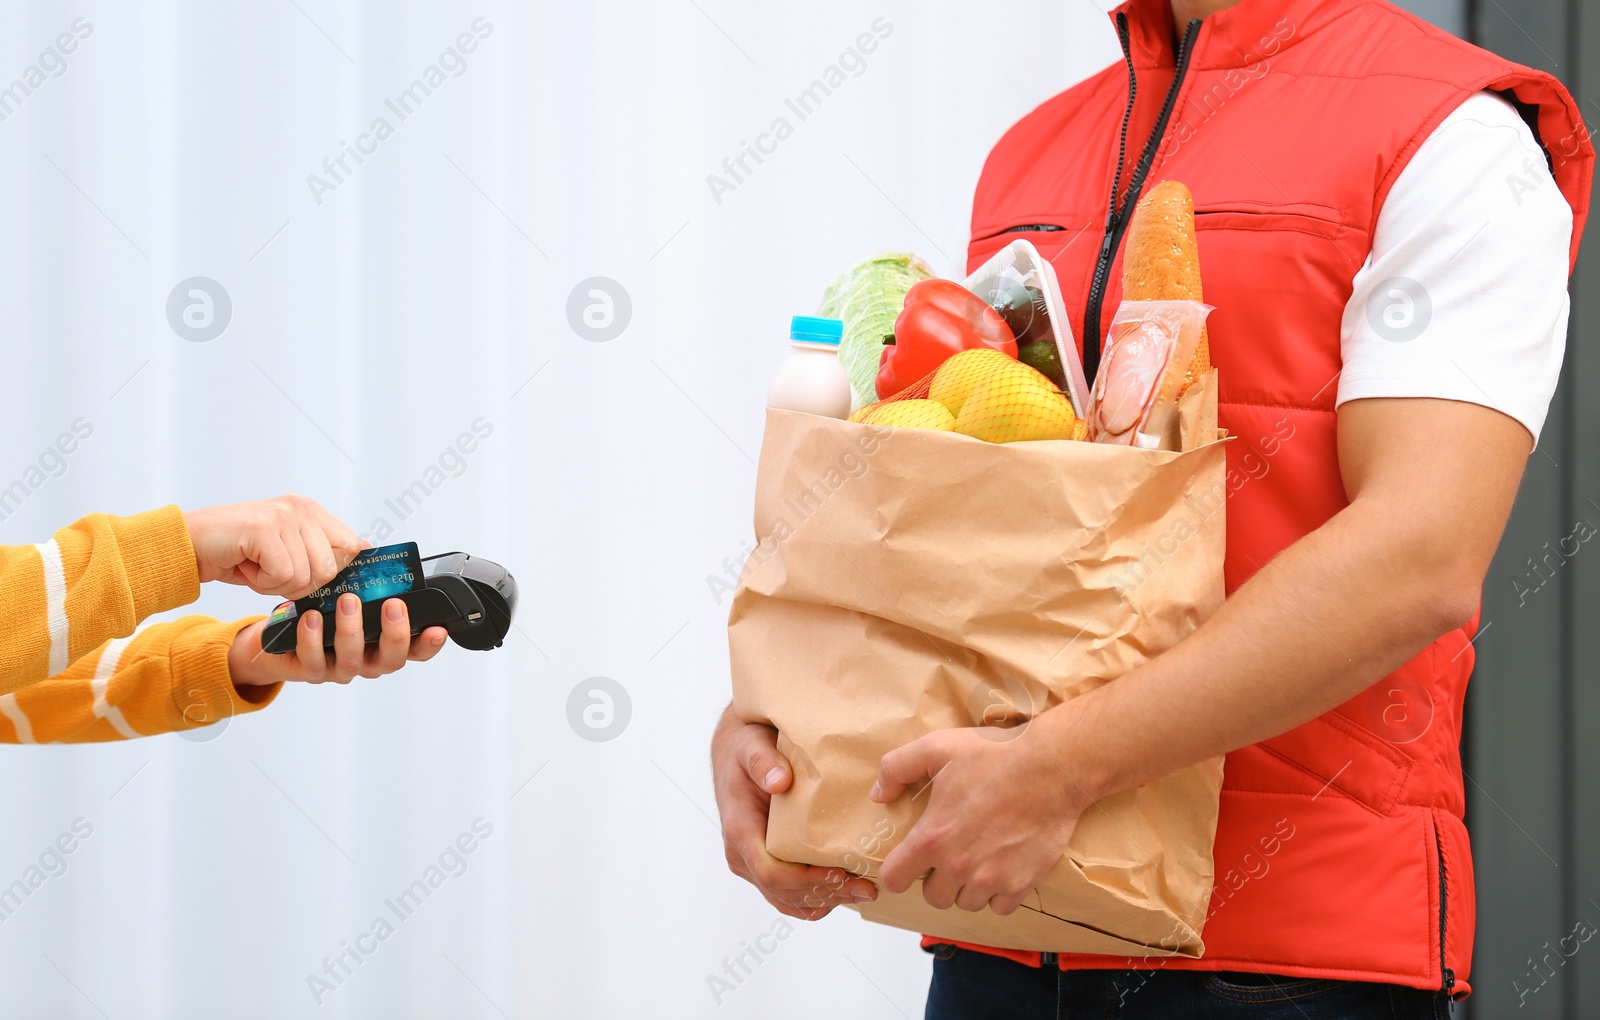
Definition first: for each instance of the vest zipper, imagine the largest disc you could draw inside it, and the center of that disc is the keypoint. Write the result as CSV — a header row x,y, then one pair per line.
x,y
1029,227
1447,981
1117,217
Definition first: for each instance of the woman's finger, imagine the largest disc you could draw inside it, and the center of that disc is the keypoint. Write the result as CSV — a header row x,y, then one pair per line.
x,y
319,555
344,542
393,642
268,568
311,658
299,584
427,644
349,645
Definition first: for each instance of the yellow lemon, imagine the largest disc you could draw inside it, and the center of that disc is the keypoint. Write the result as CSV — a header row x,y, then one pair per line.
x,y
1013,408
913,414
966,369
860,413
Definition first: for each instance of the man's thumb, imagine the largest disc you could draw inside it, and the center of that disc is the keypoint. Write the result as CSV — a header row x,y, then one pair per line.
x,y
918,760
767,768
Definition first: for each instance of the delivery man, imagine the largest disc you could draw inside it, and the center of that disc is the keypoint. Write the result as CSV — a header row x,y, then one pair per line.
x,y
1387,218
73,667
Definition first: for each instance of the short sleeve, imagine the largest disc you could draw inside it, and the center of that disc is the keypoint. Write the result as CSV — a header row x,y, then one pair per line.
x,y
1464,295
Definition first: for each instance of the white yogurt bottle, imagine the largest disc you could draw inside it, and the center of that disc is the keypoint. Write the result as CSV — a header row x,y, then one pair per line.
x,y
811,379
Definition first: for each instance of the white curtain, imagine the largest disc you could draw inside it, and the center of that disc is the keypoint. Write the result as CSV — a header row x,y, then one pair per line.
x,y
375,317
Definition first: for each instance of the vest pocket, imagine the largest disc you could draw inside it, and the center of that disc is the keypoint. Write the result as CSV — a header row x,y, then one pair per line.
x,y
1244,219
1050,236
1341,755
1039,226
1249,210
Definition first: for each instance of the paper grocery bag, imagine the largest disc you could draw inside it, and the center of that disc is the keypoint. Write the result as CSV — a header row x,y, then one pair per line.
x,y
908,580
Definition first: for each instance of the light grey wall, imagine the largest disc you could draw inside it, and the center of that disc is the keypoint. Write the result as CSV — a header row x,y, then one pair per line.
x,y
1533,709
1450,15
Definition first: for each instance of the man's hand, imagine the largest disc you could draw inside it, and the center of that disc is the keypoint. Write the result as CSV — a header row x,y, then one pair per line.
x,y
747,770
998,817
287,546
350,657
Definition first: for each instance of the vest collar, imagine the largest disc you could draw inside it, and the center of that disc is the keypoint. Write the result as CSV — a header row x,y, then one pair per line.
x,y
1242,35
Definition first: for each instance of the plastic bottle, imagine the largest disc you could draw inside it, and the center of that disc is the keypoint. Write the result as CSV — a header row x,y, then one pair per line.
x,y
811,379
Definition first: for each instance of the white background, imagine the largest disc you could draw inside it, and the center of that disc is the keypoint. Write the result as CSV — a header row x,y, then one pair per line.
x,y
368,332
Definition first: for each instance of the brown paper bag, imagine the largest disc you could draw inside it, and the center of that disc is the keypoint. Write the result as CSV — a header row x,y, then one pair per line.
x,y
908,580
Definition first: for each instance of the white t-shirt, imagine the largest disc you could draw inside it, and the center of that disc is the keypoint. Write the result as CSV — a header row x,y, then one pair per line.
x,y
1464,295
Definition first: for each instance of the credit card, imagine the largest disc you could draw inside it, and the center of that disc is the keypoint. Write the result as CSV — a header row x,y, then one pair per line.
x,y
374,575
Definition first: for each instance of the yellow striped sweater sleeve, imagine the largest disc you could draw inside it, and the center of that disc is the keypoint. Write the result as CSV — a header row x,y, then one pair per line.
x,y
94,580
71,666
168,676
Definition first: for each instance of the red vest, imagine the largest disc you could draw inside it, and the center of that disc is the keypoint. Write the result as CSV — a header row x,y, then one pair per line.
x,y
1340,850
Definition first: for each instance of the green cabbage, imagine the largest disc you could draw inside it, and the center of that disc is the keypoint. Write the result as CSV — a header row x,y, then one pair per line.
x,y
867,297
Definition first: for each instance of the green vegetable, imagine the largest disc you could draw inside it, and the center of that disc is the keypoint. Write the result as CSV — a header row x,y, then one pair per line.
x,y
868,298
1042,355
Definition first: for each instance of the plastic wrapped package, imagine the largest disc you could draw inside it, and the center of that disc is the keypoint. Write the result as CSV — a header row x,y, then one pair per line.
x,y
1147,351
1021,285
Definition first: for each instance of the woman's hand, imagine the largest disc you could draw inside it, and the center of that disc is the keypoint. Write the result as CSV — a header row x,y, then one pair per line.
x,y
250,666
288,546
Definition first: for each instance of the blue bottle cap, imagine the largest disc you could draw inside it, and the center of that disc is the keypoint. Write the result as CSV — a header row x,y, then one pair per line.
x,y
811,329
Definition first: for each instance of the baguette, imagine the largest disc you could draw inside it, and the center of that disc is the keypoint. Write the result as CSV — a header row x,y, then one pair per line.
x,y
1162,263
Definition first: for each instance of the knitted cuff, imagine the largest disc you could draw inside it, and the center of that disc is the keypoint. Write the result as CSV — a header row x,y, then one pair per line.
x,y
157,560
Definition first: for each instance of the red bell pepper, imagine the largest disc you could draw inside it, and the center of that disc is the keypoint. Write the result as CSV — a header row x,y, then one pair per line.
x,y
940,318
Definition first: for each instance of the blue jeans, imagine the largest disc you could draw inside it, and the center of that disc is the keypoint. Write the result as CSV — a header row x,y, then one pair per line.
x,y
977,986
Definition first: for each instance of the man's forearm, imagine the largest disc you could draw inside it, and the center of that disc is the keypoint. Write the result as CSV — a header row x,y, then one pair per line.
x,y
1326,619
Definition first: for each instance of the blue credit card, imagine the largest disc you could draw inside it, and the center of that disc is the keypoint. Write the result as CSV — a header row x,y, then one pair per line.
x,y
373,575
